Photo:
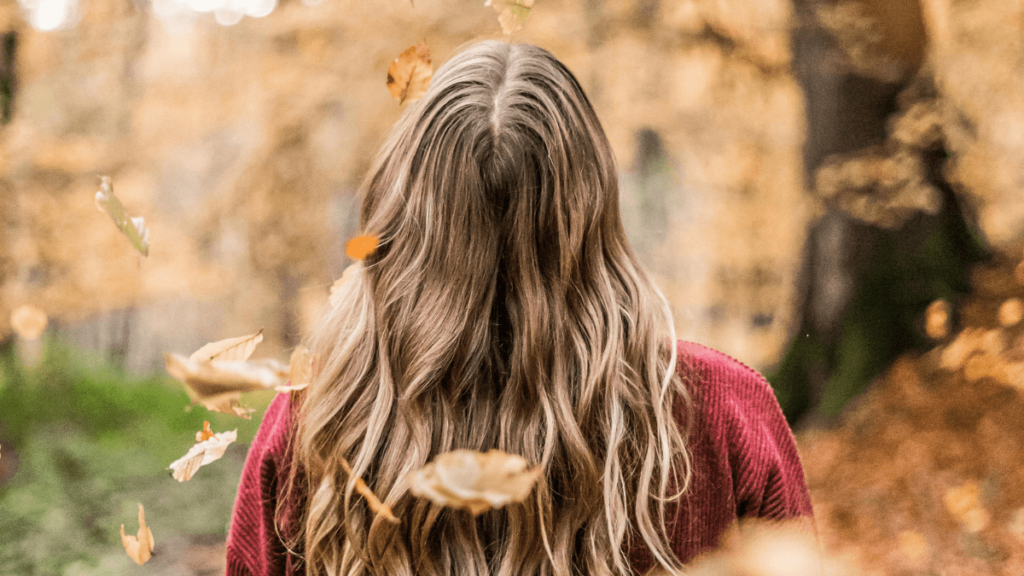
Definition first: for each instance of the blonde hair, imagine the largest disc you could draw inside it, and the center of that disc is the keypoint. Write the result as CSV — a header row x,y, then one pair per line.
x,y
502,309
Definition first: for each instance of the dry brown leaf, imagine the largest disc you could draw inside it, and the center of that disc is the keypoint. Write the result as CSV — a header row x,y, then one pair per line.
x,y
371,499
208,448
511,13
134,228
300,370
239,348
474,480
937,319
1018,273
218,384
140,547
1011,312
28,321
409,75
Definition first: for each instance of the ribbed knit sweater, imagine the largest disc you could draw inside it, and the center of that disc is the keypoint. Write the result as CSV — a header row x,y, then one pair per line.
x,y
745,464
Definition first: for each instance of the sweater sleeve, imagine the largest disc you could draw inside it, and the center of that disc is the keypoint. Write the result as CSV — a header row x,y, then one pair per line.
x,y
253,545
768,477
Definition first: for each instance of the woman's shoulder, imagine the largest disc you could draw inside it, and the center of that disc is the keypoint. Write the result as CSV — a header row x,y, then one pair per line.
x,y
716,376
737,406
745,430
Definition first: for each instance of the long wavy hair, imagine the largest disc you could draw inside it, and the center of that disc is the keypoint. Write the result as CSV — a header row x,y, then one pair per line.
x,y
502,309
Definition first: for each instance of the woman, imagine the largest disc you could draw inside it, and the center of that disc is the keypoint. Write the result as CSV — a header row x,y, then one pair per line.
x,y
504,309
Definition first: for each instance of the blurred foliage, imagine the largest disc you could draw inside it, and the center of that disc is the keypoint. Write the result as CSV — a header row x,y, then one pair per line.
x,y
923,475
901,272
91,443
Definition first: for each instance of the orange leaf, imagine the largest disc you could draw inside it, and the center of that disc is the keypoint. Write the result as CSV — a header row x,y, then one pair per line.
x,y
409,75
360,247
206,433
140,547
371,499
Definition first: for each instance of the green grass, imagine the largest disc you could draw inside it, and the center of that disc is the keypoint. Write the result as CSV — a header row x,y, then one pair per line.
x,y
92,444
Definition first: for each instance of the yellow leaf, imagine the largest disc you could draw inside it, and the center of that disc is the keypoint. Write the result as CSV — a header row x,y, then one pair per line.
x,y
28,321
300,370
409,75
511,13
474,480
360,247
140,547
239,348
134,228
211,447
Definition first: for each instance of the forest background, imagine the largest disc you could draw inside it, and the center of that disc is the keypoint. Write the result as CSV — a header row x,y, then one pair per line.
x,y
830,191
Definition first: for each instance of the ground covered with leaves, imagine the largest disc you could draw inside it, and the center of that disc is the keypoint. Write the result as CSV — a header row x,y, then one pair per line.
x,y
925,473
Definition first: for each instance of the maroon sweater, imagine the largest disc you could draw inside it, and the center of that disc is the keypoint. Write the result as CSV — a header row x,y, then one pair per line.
x,y
745,464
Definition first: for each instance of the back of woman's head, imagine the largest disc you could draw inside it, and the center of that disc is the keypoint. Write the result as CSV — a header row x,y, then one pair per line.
x,y
502,309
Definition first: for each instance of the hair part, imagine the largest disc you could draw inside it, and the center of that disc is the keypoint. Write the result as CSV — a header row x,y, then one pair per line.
x,y
502,309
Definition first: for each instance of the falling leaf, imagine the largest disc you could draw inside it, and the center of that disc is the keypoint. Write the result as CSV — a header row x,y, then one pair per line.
x,y
360,247
139,548
1011,312
300,370
511,13
474,480
218,384
239,348
937,319
409,75
208,447
134,228
28,321
371,499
